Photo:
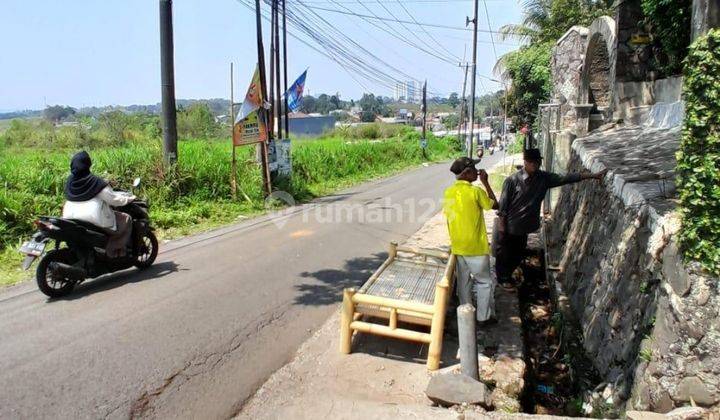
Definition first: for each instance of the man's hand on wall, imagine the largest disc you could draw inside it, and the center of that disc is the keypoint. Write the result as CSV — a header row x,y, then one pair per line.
x,y
600,175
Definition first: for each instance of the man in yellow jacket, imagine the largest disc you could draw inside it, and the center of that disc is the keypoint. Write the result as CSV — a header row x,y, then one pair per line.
x,y
463,205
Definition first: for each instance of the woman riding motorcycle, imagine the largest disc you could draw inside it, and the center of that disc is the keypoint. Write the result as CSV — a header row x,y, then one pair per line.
x,y
89,199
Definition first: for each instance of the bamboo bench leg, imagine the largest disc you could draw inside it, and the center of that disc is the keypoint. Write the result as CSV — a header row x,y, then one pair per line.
x,y
346,318
437,327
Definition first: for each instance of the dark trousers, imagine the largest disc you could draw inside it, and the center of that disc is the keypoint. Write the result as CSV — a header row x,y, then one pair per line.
x,y
510,250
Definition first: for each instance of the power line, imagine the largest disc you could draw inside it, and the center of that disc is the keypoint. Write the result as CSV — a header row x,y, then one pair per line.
x,y
429,25
387,2
329,42
425,30
325,35
492,40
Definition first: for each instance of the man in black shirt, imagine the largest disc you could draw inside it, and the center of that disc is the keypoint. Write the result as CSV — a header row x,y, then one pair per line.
x,y
519,212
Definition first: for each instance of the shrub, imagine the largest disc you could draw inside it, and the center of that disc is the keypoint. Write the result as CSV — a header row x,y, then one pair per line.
x,y
698,167
669,22
197,122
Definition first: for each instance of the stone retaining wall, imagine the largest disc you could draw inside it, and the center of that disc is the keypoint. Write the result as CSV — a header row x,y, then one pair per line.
x,y
650,324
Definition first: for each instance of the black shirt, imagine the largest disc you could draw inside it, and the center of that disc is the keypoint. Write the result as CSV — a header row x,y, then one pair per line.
x,y
522,196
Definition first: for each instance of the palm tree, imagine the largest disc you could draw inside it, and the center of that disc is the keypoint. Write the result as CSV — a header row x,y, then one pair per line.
x,y
536,17
547,20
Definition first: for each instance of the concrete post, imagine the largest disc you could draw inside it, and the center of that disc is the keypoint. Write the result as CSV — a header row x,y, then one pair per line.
x,y
468,341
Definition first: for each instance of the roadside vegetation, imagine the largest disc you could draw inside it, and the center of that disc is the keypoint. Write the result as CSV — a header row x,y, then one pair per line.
x,y
195,195
699,155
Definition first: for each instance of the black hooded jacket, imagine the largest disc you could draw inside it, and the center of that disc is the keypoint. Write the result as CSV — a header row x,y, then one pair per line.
x,y
82,185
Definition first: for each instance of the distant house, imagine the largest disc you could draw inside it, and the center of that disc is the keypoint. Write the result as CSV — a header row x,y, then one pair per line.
x,y
304,125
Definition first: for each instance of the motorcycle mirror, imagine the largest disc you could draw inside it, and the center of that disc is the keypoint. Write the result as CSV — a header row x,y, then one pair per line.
x,y
136,183
480,153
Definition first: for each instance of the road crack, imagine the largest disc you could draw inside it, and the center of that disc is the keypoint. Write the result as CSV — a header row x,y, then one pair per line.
x,y
201,364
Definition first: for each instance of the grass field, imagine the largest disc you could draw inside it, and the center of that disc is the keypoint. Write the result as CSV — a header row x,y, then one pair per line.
x,y
195,195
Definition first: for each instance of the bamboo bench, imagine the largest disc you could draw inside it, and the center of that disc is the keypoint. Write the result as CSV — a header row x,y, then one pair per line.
x,y
409,290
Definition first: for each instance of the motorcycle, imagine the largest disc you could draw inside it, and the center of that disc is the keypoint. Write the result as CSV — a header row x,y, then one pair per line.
x,y
83,255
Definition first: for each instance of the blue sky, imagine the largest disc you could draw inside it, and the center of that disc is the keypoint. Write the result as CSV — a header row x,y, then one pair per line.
x,y
106,52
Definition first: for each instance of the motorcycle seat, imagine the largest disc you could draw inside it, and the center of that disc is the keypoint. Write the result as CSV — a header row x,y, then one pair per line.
x,y
78,231
89,226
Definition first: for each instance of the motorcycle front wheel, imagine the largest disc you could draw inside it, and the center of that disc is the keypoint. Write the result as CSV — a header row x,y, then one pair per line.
x,y
52,284
147,250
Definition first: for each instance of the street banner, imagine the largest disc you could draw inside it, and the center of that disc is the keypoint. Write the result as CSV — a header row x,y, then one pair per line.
x,y
295,92
423,108
251,122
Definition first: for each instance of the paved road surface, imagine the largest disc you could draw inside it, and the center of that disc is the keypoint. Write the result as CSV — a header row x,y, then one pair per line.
x,y
195,335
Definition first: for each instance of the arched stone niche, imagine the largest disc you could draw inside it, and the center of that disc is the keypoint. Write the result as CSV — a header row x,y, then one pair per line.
x,y
597,80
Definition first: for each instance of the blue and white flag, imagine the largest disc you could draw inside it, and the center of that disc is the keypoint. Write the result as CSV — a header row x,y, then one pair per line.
x,y
295,92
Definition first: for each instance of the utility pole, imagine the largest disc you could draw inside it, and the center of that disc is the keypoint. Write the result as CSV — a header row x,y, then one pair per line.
x,y
233,167
474,76
285,88
262,111
273,109
463,104
167,80
277,66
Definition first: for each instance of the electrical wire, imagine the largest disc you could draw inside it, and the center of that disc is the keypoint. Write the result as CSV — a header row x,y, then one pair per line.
x,y
429,25
442,47
348,54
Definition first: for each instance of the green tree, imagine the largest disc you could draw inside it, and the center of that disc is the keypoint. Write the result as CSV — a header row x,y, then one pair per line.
x,y
529,70
57,113
547,20
669,22
453,100
114,125
308,104
367,116
197,122
451,121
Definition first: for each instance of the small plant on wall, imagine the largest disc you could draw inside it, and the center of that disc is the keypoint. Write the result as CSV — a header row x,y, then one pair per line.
x,y
699,155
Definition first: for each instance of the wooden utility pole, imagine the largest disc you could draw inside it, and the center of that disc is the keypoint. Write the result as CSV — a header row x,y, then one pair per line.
x,y
285,88
277,67
463,105
424,120
474,76
167,76
262,112
233,166
271,98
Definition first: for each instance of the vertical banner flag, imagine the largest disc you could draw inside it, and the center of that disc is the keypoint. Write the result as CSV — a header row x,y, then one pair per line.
x,y
295,92
250,126
424,117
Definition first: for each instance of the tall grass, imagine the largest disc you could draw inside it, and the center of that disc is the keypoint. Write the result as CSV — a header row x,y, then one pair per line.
x,y
372,131
196,193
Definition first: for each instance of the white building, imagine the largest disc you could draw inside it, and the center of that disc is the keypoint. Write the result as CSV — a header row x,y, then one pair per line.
x,y
408,91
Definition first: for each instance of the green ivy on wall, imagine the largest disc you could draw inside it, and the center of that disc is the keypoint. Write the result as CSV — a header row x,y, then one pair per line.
x,y
669,22
698,167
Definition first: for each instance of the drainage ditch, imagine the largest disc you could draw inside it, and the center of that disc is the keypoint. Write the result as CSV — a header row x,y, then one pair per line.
x,y
558,375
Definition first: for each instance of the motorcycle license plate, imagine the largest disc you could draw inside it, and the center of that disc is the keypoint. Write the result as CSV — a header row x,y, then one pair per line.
x,y
33,248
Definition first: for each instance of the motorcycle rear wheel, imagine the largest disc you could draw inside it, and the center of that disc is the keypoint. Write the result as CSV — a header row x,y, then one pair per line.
x,y
147,251
49,283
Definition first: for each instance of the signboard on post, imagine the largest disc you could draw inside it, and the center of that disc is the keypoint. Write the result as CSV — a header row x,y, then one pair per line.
x,y
251,130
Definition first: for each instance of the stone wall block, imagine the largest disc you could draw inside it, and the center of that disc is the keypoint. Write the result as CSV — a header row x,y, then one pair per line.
x,y
629,291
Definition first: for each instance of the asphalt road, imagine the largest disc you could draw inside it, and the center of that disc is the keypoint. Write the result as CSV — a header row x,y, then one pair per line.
x,y
198,333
